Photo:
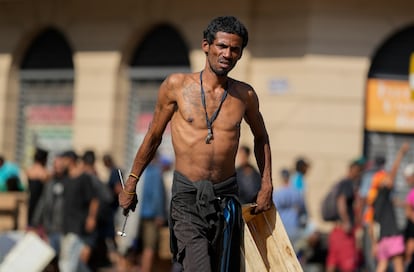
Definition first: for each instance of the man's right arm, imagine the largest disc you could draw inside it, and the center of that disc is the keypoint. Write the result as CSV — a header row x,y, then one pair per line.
x,y
164,109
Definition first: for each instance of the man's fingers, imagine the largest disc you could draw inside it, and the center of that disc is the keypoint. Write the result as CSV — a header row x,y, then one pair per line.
x,y
259,209
130,205
256,210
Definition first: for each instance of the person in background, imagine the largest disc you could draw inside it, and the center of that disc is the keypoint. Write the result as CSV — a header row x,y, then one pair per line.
x,y
37,176
297,180
114,181
342,249
291,206
409,212
80,212
389,246
248,178
48,218
153,212
104,223
366,180
115,187
9,171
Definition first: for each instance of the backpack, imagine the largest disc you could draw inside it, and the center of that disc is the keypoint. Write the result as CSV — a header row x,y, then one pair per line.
x,y
329,209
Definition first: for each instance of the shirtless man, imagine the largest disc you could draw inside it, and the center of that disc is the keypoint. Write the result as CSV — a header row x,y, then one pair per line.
x,y
206,110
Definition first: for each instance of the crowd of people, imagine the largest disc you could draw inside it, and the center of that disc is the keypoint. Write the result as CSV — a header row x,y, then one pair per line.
x,y
74,210
365,234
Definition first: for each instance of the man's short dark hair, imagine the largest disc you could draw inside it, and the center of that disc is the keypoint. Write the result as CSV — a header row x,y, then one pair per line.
x,y
285,174
227,24
70,154
246,149
379,161
301,164
107,158
89,157
40,156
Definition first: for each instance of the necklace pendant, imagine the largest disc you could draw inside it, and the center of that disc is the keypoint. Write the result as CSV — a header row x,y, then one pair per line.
x,y
209,136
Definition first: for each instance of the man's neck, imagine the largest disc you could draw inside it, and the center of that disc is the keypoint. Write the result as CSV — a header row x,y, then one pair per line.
x,y
74,171
213,81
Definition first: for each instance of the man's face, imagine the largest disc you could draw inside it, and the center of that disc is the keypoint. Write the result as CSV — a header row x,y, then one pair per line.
x,y
58,165
65,163
355,172
223,53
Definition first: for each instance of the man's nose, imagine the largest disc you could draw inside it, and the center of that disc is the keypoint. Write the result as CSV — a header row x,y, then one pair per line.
x,y
227,52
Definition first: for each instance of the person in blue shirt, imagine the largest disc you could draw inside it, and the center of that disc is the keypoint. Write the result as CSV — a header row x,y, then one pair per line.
x,y
298,178
291,206
152,213
9,172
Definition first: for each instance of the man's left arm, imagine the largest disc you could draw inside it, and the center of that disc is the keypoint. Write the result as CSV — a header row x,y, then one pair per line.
x,y
261,150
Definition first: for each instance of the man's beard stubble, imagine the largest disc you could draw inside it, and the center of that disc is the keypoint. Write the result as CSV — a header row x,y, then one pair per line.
x,y
220,73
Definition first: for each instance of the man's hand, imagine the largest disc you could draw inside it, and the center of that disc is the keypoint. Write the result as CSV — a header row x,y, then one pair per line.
x,y
264,199
127,201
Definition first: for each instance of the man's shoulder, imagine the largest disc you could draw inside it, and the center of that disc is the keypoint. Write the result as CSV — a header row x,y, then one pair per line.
x,y
345,182
81,179
240,86
178,79
345,185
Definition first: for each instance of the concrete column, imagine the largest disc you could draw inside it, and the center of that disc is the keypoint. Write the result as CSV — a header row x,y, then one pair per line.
x,y
7,99
4,62
95,99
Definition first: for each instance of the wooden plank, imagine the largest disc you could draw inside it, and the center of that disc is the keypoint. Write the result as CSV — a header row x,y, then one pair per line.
x,y
250,261
270,242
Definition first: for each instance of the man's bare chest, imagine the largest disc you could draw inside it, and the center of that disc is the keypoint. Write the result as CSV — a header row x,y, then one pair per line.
x,y
228,115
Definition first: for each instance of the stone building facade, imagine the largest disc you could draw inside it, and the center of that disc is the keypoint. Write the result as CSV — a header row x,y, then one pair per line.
x,y
84,74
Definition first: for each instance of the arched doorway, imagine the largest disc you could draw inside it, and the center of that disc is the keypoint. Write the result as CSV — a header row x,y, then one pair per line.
x,y
46,96
389,107
161,52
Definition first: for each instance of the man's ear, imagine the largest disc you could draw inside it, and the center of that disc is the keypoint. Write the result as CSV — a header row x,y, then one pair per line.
x,y
205,46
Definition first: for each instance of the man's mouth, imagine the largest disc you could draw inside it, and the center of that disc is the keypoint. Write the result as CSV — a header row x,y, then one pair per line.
x,y
224,64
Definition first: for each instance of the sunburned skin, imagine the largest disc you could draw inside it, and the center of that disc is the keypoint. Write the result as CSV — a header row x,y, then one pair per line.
x,y
180,103
196,159
205,110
